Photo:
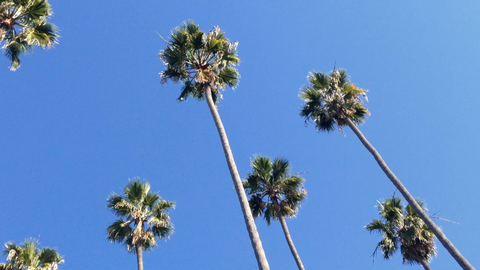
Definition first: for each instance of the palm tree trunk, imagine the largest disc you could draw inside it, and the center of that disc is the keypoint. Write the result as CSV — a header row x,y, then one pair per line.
x,y
3,31
242,197
425,265
139,256
293,250
436,230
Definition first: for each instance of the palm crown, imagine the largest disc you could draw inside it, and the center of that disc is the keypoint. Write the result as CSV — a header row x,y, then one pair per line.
x,y
23,24
330,99
271,185
200,60
143,216
402,226
27,256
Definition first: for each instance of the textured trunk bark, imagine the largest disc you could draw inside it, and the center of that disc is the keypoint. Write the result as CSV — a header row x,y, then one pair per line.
x,y
425,265
3,32
436,230
139,257
237,181
288,237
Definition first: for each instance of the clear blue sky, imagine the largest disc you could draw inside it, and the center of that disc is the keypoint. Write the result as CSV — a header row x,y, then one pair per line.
x,y
79,120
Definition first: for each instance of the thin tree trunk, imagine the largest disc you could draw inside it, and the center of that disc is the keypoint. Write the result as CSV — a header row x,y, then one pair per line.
x,y
288,237
242,197
139,256
3,32
436,230
425,265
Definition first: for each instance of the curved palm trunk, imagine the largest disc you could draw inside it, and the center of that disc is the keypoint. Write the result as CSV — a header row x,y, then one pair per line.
x,y
436,230
139,257
298,261
425,265
242,197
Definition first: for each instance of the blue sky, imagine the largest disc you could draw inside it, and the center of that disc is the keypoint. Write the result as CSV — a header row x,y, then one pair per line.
x,y
77,121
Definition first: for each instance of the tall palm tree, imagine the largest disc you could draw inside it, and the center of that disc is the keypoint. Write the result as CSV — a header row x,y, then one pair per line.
x,y
332,102
28,256
142,218
274,193
402,226
204,63
23,24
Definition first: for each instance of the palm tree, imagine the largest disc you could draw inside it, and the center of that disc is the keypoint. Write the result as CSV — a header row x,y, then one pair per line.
x,y
23,24
142,218
332,102
204,63
274,193
28,256
402,226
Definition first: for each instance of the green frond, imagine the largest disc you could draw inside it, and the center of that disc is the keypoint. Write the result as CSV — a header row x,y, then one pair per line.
x,y
269,213
257,205
228,77
151,199
119,231
44,35
39,10
14,49
49,256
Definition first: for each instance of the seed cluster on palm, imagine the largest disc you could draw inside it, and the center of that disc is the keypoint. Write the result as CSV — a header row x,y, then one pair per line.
x,y
23,25
28,256
401,226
